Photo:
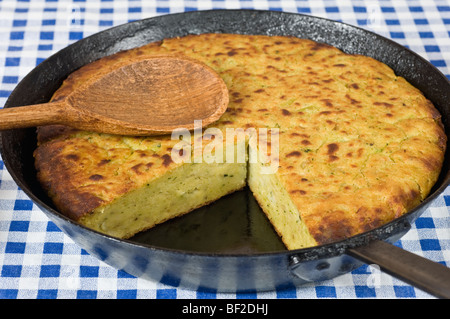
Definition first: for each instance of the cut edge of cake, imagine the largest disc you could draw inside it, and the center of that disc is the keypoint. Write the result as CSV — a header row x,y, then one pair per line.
x,y
181,190
274,199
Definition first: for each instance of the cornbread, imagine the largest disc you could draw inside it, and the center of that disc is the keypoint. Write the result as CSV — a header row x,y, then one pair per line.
x,y
357,146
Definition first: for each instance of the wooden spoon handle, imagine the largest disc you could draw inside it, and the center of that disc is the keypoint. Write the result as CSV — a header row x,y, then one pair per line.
x,y
33,115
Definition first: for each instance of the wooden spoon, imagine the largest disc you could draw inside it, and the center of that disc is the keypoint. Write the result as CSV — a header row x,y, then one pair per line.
x,y
150,97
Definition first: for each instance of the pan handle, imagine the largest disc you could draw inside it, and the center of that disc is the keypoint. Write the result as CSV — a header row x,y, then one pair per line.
x,y
413,269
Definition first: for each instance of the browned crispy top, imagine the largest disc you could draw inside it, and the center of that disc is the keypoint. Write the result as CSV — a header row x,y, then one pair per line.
x,y
359,145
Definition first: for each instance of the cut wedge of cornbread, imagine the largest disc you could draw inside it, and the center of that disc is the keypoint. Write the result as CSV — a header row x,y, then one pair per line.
x,y
334,144
276,202
122,181
182,190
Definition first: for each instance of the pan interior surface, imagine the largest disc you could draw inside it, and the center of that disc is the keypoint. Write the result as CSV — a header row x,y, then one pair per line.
x,y
234,224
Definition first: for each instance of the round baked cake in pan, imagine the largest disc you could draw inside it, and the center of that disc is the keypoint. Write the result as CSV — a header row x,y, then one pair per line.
x,y
334,144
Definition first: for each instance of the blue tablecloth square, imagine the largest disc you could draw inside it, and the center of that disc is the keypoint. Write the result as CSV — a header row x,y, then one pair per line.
x,y
23,204
134,9
246,295
326,292
331,9
432,48
50,271
49,22
126,294
9,293
10,79
426,35
206,295
51,227
14,48
430,244
397,35
166,293
123,274
162,10
15,248
415,9
19,23
387,9
106,10
424,222
365,291
86,294
19,225
53,248
392,22
16,35
287,293
421,21
12,61
44,35
11,271
303,10
45,47
47,294
404,291
443,8
105,23
75,35
89,271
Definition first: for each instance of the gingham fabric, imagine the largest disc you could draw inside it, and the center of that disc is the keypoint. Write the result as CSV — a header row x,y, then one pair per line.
x,y
38,261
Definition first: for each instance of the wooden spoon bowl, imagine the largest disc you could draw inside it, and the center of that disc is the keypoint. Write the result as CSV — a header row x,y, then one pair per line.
x,y
150,97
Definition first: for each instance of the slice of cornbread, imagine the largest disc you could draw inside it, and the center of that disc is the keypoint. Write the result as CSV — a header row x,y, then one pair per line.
x,y
335,144
121,185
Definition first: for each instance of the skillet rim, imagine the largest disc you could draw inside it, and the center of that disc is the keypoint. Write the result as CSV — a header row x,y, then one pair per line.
x,y
325,250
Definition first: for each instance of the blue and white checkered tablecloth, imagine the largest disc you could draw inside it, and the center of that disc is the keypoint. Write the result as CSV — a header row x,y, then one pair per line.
x,y
38,261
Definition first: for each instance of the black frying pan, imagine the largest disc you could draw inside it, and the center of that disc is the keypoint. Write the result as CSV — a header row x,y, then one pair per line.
x,y
251,259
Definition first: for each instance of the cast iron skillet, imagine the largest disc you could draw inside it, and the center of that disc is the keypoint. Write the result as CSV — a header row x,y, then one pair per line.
x,y
244,268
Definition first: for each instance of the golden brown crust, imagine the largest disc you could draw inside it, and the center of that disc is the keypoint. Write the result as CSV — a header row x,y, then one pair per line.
x,y
359,146
58,178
